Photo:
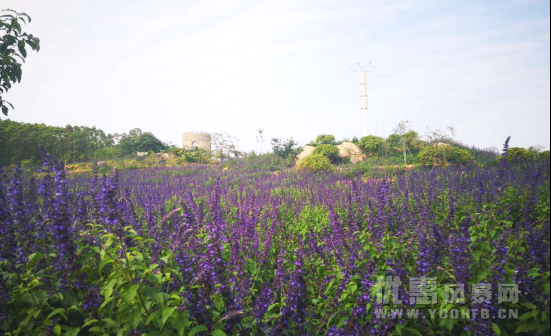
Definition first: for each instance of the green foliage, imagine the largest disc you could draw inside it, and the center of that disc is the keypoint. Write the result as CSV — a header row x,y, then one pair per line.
x,y
138,141
372,145
329,151
194,155
394,141
285,149
325,139
108,153
544,156
315,163
517,154
13,52
19,141
439,156
130,284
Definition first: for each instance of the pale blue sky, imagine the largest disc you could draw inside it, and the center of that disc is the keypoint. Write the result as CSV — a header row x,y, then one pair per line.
x,y
171,66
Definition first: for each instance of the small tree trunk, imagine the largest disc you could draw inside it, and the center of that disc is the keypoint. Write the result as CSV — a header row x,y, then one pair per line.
x,y
405,155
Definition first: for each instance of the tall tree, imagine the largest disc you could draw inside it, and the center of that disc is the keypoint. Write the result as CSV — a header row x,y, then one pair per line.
x,y
13,51
405,136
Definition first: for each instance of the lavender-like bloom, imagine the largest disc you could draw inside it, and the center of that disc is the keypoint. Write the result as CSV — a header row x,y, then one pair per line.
x,y
506,147
61,225
8,244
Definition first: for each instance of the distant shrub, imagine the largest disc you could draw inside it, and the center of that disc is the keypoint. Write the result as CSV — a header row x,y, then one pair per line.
x,y
325,139
520,154
544,156
394,141
315,163
444,155
109,153
329,151
371,145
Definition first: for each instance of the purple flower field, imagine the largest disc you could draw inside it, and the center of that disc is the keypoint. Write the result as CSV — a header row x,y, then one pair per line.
x,y
203,251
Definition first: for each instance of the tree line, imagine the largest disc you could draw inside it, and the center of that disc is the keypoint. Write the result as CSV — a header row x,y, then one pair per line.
x,y
19,143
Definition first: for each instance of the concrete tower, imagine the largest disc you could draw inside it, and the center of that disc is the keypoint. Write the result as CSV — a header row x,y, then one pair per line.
x,y
363,98
193,140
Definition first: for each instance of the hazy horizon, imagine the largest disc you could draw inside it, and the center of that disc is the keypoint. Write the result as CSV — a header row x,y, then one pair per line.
x,y
171,67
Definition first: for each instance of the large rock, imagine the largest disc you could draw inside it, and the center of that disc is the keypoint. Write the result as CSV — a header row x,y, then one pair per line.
x,y
442,145
351,151
306,151
347,150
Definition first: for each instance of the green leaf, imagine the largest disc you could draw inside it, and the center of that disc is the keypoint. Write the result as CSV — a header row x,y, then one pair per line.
x,y
89,323
59,311
526,316
21,47
57,329
106,302
154,295
341,322
181,323
496,329
41,296
167,313
135,318
198,329
526,327
73,332
153,317
109,322
130,293
218,332
272,306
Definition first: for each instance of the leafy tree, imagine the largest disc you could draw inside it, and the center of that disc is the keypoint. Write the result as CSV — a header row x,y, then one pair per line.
x,y
394,141
285,148
371,145
147,142
405,137
315,163
329,151
19,142
13,51
225,146
138,141
325,139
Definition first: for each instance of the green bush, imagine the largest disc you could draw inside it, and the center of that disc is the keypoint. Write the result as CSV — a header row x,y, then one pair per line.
x,y
371,145
544,156
459,156
325,139
440,156
329,151
109,153
315,163
517,154
394,141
